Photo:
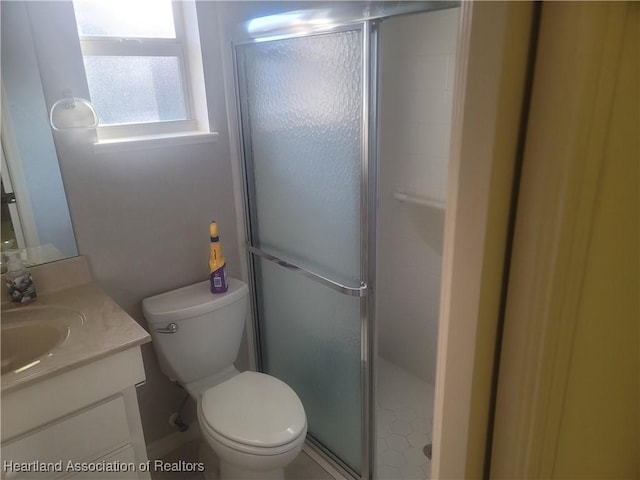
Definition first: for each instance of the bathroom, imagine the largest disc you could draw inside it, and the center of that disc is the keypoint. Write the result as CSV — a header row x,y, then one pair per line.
x,y
139,210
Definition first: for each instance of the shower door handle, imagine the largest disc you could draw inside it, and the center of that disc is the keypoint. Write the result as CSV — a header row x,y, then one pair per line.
x,y
360,291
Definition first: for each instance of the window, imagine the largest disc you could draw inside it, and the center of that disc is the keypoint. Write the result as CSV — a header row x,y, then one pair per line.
x,y
136,66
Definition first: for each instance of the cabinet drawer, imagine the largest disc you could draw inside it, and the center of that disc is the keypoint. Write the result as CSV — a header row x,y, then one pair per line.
x,y
124,456
78,437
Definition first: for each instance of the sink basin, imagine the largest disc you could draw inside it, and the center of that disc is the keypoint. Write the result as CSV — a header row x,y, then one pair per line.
x,y
29,335
24,344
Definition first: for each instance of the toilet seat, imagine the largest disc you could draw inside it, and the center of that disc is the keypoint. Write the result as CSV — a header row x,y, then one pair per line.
x,y
253,413
251,450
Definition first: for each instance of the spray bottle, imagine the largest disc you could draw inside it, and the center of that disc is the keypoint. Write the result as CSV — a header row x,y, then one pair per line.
x,y
217,265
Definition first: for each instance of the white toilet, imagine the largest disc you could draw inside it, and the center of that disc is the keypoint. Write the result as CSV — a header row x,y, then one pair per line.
x,y
254,422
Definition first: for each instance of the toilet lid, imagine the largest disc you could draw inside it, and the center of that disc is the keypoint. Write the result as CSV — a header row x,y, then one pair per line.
x,y
254,409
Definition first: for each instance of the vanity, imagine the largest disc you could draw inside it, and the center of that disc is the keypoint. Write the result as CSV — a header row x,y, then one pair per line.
x,y
70,365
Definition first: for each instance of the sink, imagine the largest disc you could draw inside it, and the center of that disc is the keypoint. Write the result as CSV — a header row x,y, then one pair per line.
x,y
30,335
24,344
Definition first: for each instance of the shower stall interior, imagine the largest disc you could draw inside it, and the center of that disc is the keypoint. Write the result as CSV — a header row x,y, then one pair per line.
x,y
345,118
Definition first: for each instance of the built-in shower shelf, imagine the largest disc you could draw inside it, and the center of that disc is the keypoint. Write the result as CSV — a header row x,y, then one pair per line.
x,y
419,200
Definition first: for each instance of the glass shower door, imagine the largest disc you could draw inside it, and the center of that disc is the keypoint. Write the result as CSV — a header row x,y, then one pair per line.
x,y
304,138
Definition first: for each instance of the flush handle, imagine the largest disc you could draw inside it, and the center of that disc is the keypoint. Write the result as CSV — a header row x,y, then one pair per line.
x,y
171,328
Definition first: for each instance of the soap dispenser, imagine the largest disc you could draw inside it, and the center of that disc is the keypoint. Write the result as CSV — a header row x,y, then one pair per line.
x,y
18,279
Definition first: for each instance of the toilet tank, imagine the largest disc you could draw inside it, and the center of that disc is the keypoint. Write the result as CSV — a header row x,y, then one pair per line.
x,y
196,334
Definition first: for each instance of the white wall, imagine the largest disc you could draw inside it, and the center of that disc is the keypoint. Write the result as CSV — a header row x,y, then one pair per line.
x,y
417,58
142,216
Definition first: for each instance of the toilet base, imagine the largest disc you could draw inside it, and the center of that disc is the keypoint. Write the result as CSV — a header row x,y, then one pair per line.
x,y
232,472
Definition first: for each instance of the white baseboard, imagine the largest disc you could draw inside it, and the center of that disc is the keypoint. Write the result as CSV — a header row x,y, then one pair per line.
x,y
161,447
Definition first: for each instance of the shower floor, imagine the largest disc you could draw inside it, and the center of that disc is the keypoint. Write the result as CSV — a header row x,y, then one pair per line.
x,y
404,414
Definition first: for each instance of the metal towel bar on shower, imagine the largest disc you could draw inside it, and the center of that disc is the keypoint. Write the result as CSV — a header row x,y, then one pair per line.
x,y
360,291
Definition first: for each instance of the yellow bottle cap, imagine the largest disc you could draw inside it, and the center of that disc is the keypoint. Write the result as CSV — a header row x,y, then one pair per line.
x,y
213,229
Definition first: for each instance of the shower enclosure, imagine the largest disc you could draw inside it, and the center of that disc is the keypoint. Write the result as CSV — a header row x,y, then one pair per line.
x,y
308,95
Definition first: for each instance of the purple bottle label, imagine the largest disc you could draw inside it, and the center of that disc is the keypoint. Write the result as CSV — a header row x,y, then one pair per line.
x,y
219,280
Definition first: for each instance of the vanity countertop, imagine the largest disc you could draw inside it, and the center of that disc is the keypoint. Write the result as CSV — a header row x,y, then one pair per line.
x,y
106,329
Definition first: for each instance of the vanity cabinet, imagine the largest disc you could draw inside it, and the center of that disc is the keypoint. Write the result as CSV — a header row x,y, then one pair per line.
x,y
83,423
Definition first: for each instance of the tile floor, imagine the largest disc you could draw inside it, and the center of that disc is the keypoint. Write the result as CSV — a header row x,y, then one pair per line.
x,y
187,452
302,468
404,413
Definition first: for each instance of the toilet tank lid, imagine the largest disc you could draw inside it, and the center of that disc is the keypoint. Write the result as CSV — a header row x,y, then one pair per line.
x,y
191,301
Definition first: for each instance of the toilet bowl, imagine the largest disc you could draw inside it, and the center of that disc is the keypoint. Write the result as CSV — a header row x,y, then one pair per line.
x,y
255,423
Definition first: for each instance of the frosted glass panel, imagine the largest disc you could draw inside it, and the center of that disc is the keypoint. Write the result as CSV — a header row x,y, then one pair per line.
x,y
304,109
302,124
136,89
311,340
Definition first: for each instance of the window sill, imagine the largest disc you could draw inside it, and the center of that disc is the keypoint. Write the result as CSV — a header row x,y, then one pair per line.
x,y
126,144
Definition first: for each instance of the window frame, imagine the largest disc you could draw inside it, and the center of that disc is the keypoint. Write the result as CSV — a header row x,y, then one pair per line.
x,y
118,46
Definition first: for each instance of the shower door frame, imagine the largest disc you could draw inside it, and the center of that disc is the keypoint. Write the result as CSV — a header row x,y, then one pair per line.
x,y
346,17
368,197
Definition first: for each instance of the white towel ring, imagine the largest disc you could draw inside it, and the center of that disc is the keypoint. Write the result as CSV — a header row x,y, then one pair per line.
x,y
73,113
